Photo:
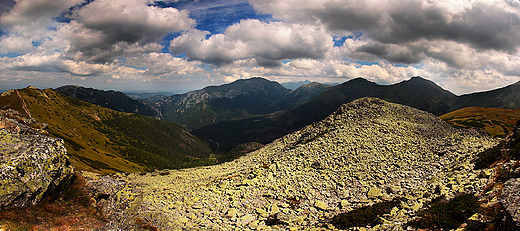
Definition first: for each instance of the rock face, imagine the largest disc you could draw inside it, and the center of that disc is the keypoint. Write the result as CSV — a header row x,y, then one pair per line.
x,y
31,164
368,151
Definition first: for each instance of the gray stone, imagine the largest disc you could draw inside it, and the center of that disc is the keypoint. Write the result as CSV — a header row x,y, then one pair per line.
x,y
32,165
510,200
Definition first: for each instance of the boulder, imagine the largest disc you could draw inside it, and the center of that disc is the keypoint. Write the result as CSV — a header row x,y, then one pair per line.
x,y
32,165
510,198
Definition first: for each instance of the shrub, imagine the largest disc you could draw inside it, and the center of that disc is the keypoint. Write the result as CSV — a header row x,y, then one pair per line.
x,y
446,215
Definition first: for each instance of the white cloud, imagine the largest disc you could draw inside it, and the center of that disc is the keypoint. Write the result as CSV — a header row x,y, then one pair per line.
x,y
162,64
35,14
267,43
15,44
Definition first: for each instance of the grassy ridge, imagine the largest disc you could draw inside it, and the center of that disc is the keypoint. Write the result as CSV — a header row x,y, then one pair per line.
x,y
102,140
499,122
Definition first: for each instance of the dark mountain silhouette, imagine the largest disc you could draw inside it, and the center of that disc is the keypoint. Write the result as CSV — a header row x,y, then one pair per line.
x,y
114,100
416,92
507,97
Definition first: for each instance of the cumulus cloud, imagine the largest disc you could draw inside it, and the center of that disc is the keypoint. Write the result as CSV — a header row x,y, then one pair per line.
x,y
35,14
480,24
162,64
267,43
15,44
103,30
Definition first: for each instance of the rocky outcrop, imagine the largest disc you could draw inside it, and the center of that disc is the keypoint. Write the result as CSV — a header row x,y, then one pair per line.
x,y
509,172
32,165
368,151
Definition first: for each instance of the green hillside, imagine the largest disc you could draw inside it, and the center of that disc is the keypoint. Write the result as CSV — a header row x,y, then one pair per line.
x,y
102,140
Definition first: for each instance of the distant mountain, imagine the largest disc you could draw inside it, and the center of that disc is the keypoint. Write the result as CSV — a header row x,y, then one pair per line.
x,y
106,141
153,99
146,95
416,92
241,99
506,97
301,95
114,100
294,85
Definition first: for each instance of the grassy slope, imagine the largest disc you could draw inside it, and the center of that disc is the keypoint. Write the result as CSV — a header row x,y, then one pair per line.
x,y
102,140
497,121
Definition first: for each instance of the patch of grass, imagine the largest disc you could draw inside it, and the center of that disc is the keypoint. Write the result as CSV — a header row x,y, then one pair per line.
x,y
72,210
364,216
446,215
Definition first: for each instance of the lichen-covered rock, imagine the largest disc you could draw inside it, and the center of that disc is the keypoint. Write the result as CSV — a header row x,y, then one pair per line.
x,y
511,202
31,164
103,191
368,151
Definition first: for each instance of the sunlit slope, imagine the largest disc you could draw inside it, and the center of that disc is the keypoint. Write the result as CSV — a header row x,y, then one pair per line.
x,y
497,121
102,140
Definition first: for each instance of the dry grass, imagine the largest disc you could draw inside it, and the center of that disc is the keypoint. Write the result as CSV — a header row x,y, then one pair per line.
x,y
70,211
498,122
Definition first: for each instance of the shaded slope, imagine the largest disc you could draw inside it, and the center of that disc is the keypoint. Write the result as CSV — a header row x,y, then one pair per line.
x,y
238,100
368,151
420,93
498,122
506,97
102,140
417,92
114,100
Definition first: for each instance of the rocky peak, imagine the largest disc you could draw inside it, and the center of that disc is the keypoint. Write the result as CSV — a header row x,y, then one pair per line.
x,y
368,151
32,164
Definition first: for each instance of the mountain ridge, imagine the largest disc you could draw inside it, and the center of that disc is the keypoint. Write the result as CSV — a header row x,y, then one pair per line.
x,y
416,92
111,99
102,140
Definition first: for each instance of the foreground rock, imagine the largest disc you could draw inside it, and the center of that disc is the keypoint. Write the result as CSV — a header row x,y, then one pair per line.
x,y
366,152
509,171
31,164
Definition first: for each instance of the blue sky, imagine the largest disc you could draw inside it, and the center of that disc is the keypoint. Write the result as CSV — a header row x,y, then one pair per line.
x,y
180,45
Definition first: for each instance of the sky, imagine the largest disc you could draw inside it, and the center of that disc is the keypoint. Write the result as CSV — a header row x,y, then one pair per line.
x,y
464,46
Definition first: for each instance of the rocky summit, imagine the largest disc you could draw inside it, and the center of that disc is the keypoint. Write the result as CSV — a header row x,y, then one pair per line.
x,y
368,151
32,164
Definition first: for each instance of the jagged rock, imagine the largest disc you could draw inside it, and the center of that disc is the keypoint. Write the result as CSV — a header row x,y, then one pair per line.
x,y
32,165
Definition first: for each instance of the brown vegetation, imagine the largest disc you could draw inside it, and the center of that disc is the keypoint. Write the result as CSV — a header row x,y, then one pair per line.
x,y
499,122
70,211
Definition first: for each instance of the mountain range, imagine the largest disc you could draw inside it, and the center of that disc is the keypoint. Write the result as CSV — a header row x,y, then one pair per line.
x,y
259,110
114,100
416,92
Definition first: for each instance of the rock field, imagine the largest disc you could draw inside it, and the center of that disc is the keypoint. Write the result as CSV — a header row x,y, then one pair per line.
x,y
368,151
